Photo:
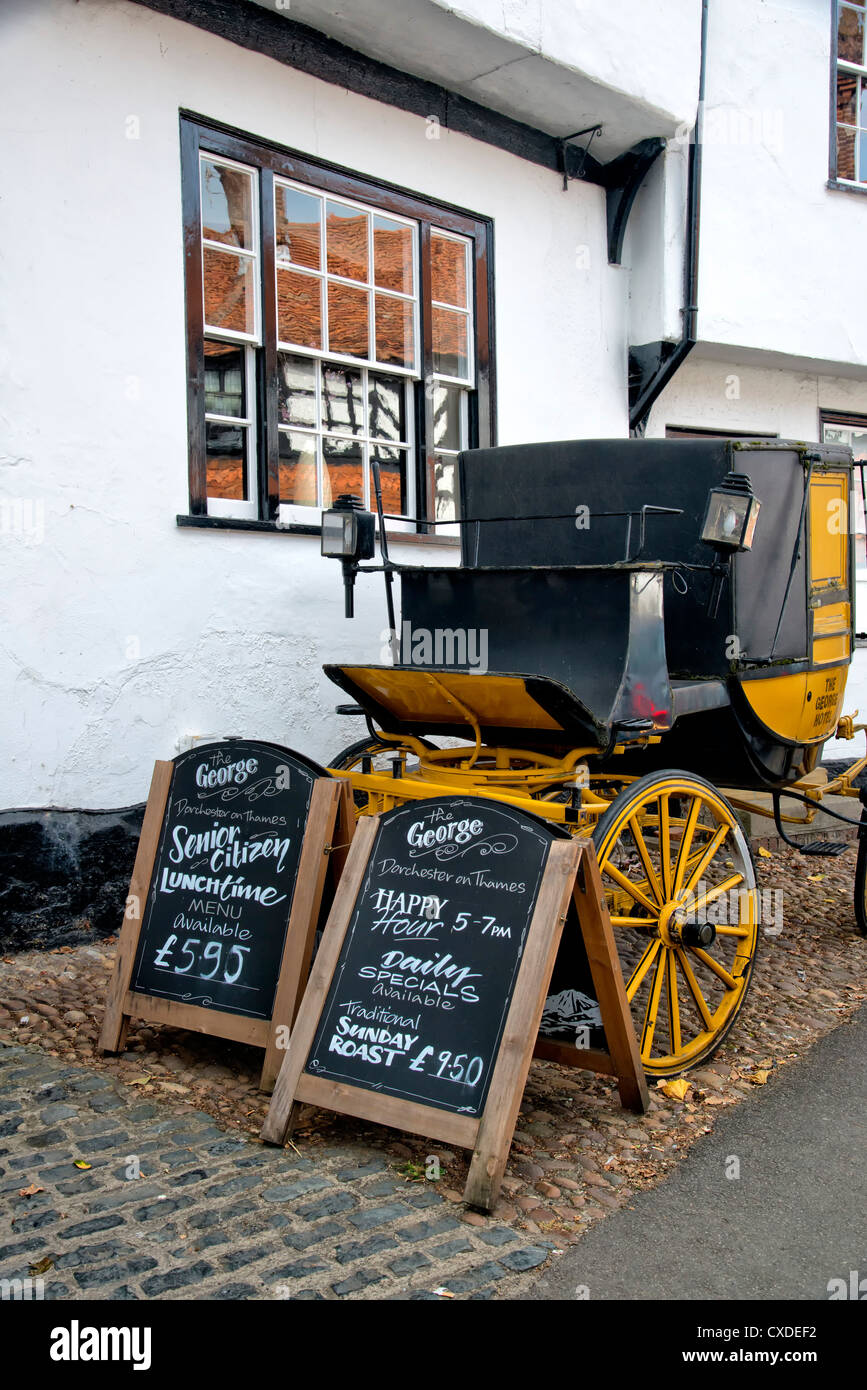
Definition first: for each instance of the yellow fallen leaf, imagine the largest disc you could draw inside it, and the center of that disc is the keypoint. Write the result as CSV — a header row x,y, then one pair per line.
x,y
30,1191
80,1163
815,878
676,1090
42,1266
764,853
759,1078
138,1081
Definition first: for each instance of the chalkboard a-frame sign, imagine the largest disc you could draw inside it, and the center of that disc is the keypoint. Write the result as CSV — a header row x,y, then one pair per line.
x,y
424,1002
225,894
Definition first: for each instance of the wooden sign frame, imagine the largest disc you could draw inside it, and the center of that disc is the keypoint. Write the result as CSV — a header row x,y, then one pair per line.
x,y
490,1134
623,1060
331,817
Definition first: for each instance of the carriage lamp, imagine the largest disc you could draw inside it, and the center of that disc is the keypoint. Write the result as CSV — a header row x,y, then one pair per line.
x,y
729,525
348,536
731,515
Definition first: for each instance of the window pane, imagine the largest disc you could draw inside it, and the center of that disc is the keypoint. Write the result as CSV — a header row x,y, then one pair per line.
x,y
845,153
229,286
861,167
450,352
447,416
227,204
224,379
342,469
443,487
392,255
394,331
299,308
448,270
392,480
297,468
299,218
296,386
226,453
387,407
847,98
348,313
346,237
850,35
342,400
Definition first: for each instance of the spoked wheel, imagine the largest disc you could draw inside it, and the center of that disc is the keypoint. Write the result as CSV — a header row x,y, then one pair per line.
x,y
681,889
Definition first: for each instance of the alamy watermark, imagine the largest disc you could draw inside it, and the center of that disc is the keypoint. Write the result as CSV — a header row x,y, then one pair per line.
x,y
732,907
465,648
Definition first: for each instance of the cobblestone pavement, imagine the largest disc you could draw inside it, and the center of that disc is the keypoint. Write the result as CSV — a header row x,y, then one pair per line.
x,y
576,1155
216,1215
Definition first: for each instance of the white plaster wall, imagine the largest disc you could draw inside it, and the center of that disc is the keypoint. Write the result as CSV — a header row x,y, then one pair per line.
x,y
778,249
121,632
559,65
649,52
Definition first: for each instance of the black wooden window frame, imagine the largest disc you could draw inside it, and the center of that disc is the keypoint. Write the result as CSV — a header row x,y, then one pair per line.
x,y
270,160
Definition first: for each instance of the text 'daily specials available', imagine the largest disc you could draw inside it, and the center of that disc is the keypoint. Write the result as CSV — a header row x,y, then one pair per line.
x,y
419,998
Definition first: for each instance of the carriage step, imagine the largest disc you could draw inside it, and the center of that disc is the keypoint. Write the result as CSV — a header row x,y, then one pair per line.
x,y
828,848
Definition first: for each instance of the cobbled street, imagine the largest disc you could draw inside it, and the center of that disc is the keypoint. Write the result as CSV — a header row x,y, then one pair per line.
x,y
216,1215
349,1210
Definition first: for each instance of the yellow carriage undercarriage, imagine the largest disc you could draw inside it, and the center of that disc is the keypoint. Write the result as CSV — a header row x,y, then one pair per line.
x,y
676,866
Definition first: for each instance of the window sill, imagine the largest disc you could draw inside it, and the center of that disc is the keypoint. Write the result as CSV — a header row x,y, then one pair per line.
x,y
228,523
836,186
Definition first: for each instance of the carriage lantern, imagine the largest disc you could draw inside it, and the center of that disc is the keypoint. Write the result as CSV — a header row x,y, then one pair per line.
x,y
729,525
732,512
348,535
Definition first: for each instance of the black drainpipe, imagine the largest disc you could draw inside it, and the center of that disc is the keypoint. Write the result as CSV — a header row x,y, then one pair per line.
x,y
652,365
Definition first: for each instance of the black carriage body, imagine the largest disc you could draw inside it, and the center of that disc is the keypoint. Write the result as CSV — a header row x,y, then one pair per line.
x,y
601,604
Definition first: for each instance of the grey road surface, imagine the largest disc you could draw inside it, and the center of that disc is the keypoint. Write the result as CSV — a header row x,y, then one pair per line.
x,y
795,1219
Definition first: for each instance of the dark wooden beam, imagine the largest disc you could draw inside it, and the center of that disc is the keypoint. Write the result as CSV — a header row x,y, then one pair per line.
x,y
298,46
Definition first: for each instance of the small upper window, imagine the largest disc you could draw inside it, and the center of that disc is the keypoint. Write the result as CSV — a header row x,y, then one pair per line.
x,y
851,93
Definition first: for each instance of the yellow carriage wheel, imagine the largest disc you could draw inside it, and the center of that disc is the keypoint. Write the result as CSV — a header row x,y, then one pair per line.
x,y
681,889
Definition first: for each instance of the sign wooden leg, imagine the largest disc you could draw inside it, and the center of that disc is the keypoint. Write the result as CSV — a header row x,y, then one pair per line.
x,y
115,1022
303,920
516,1050
608,983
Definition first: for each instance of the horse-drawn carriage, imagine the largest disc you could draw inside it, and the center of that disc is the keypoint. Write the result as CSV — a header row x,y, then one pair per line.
x,y
633,625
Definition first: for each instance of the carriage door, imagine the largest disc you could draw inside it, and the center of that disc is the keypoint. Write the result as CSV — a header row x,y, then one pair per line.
x,y
829,598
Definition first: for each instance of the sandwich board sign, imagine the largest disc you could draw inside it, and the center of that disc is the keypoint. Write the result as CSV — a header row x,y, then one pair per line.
x,y
425,999
225,894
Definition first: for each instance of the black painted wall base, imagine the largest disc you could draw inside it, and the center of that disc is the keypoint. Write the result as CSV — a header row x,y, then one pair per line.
x,y
64,875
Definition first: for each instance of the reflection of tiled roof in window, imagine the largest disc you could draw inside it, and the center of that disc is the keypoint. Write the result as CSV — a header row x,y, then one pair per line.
x,y
299,312
226,283
298,484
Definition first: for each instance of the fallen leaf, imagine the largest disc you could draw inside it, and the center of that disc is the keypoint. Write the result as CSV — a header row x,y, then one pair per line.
x,y
80,1163
676,1090
138,1081
759,1078
42,1266
815,878
174,1087
30,1191
764,853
